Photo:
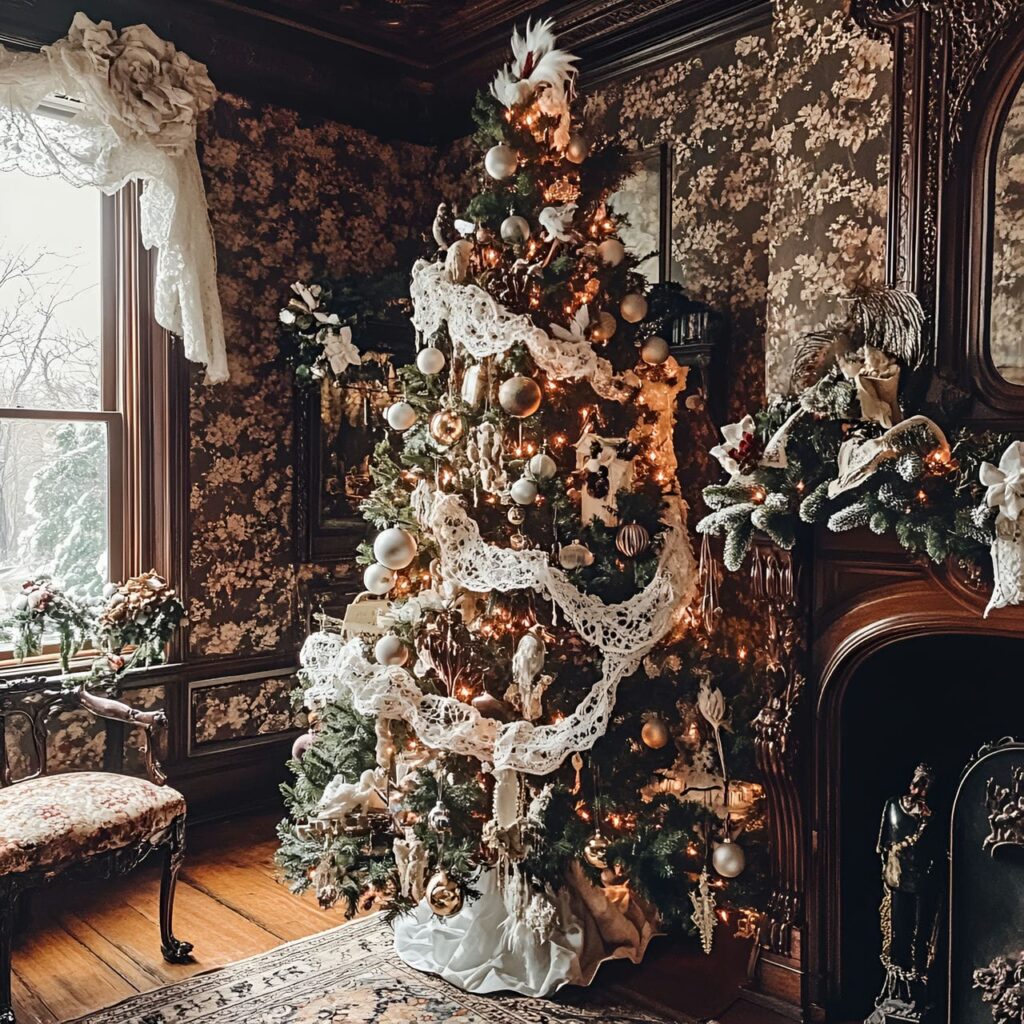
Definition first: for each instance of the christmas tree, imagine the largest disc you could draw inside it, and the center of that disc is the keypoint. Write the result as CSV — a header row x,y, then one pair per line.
x,y
524,754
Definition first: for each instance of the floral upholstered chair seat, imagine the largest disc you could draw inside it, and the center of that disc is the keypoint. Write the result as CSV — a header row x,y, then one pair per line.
x,y
60,818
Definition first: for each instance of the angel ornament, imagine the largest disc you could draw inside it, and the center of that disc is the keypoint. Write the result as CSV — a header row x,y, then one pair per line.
x,y
877,378
342,798
411,859
528,684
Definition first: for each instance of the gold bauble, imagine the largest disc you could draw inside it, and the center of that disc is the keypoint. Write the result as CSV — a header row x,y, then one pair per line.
x,y
604,327
654,733
519,396
444,897
595,852
446,427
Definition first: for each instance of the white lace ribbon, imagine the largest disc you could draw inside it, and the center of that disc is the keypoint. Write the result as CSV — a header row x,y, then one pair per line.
x,y
483,327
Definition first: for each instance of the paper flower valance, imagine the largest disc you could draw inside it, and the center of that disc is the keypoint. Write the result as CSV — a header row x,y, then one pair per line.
x,y
134,105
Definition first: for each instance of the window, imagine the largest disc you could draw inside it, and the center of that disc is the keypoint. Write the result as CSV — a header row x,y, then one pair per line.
x,y
84,479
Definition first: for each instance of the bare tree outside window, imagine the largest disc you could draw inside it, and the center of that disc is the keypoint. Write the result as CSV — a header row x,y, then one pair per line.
x,y
55,423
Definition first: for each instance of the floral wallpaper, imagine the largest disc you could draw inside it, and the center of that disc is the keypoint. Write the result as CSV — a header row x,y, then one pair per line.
x,y
243,709
1007,312
831,112
289,199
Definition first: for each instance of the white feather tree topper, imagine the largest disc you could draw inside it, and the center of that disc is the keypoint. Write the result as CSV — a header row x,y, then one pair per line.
x,y
539,70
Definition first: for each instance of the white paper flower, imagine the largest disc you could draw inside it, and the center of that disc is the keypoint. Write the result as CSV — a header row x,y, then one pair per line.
x,y
340,351
1005,483
577,329
737,437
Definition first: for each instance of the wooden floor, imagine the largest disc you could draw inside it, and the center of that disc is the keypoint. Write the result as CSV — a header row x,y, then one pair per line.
x,y
85,948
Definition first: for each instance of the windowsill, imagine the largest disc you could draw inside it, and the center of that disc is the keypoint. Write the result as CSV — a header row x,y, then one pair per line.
x,y
44,666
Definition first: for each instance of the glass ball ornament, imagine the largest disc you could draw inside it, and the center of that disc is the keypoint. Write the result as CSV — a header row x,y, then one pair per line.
x,y
611,251
438,818
632,540
519,396
430,361
443,896
500,161
446,427
575,556
524,491
519,542
517,515
654,350
378,579
655,733
394,548
515,230
578,149
595,851
633,308
729,860
389,650
400,416
604,327
542,466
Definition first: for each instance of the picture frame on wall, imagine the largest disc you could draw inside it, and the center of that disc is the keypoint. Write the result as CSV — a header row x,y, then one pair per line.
x,y
645,199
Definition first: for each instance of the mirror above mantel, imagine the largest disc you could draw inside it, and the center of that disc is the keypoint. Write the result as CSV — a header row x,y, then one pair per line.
x,y
956,202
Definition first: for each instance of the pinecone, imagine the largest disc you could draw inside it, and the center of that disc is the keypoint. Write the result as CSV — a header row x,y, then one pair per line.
x,y
507,284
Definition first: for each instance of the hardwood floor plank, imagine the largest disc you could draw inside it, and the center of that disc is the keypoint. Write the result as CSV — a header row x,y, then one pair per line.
x,y
65,975
28,1007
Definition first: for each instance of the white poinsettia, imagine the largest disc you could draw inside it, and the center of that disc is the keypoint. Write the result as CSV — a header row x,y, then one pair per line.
x,y
557,222
737,440
577,330
339,349
1005,482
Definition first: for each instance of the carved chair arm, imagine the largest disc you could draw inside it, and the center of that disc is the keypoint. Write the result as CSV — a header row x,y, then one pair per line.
x,y
152,723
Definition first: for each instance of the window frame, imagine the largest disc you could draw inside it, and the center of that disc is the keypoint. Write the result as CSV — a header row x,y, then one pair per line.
x,y
143,398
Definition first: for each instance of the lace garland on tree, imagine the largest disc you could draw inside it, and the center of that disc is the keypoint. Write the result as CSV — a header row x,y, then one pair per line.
x,y
102,108
623,634
483,327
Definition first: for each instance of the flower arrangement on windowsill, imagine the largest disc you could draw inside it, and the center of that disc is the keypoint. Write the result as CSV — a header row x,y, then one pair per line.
x,y
128,627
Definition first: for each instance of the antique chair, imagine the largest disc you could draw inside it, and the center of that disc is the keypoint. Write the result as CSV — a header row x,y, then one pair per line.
x,y
82,824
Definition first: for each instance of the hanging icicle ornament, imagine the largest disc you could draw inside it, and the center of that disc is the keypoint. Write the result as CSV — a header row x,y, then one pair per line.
x,y
703,916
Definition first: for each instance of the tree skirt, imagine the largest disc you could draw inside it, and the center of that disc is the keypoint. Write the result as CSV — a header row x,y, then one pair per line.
x,y
351,975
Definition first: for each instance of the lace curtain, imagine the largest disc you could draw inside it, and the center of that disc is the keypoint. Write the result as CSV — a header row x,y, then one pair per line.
x,y
103,108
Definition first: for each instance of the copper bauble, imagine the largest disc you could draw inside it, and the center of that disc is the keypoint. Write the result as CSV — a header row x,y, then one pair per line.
x,y
632,540
654,350
604,327
447,427
443,896
578,149
595,852
519,396
654,733
633,308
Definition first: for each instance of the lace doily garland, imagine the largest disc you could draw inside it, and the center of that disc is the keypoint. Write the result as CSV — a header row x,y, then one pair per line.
x,y
483,327
116,129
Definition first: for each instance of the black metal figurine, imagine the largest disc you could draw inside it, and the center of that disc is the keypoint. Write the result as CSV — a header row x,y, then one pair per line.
x,y
908,842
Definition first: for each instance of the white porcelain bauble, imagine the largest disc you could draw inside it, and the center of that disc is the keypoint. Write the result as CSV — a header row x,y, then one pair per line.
x,y
389,650
729,860
515,230
654,350
378,579
542,466
633,308
400,416
612,251
578,149
394,548
524,491
430,360
500,162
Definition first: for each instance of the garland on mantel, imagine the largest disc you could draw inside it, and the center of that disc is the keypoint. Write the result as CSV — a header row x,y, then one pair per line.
x,y
840,452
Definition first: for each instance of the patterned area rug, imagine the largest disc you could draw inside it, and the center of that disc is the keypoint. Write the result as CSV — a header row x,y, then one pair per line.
x,y
351,975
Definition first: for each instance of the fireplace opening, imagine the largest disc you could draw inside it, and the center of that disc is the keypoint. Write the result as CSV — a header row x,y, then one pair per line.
x,y
930,699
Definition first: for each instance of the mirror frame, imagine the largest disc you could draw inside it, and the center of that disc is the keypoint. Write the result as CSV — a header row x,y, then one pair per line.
x,y
957,64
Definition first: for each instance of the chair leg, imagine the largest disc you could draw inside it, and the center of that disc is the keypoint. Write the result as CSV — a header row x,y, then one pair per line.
x,y
174,950
8,905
